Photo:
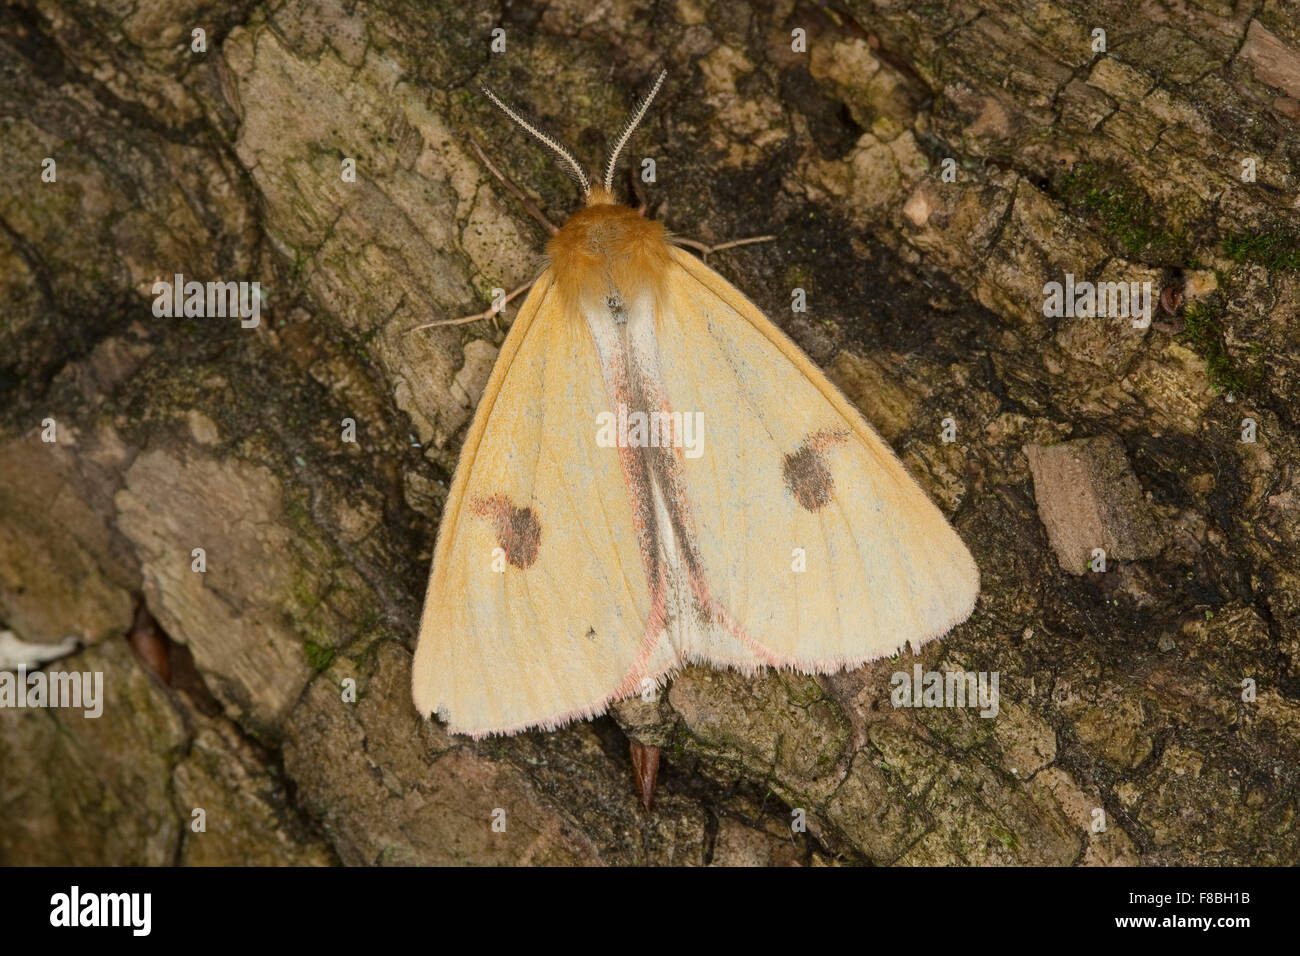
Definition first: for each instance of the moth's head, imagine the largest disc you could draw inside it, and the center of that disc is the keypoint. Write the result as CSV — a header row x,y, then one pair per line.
x,y
598,193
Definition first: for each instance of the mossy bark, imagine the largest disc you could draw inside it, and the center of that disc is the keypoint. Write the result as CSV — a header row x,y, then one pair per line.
x,y
288,718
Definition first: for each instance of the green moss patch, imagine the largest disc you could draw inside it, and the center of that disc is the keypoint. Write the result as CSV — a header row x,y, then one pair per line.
x,y
1203,334
1124,211
1274,249
320,658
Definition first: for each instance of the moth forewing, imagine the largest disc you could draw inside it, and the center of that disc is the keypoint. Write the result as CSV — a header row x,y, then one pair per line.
x,y
793,465
503,645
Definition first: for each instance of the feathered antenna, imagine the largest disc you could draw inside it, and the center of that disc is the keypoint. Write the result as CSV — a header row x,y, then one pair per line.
x,y
574,169
633,121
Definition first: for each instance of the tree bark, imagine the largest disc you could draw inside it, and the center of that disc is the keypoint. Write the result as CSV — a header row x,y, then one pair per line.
x,y
1149,713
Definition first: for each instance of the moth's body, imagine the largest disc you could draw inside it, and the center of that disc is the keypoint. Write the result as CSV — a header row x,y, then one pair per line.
x,y
611,267
569,574
621,564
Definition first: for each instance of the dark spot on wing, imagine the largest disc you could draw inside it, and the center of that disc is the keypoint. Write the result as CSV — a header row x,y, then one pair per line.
x,y
808,476
807,473
519,533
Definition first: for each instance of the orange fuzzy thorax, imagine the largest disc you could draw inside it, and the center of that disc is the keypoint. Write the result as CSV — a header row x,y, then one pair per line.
x,y
607,249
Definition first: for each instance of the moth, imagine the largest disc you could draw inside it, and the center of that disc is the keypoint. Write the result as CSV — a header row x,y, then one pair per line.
x,y
655,476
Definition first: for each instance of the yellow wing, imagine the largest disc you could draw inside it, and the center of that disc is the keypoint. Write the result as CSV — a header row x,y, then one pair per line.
x,y
792,477
537,603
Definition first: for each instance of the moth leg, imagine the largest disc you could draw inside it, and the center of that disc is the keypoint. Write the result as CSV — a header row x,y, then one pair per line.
x,y
529,206
645,771
706,250
485,314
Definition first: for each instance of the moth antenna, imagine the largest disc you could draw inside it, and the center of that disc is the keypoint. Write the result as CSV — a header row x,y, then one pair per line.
x,y
574,169
633,121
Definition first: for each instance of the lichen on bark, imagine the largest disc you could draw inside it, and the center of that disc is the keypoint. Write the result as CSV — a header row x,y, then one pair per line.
x,y
287,716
